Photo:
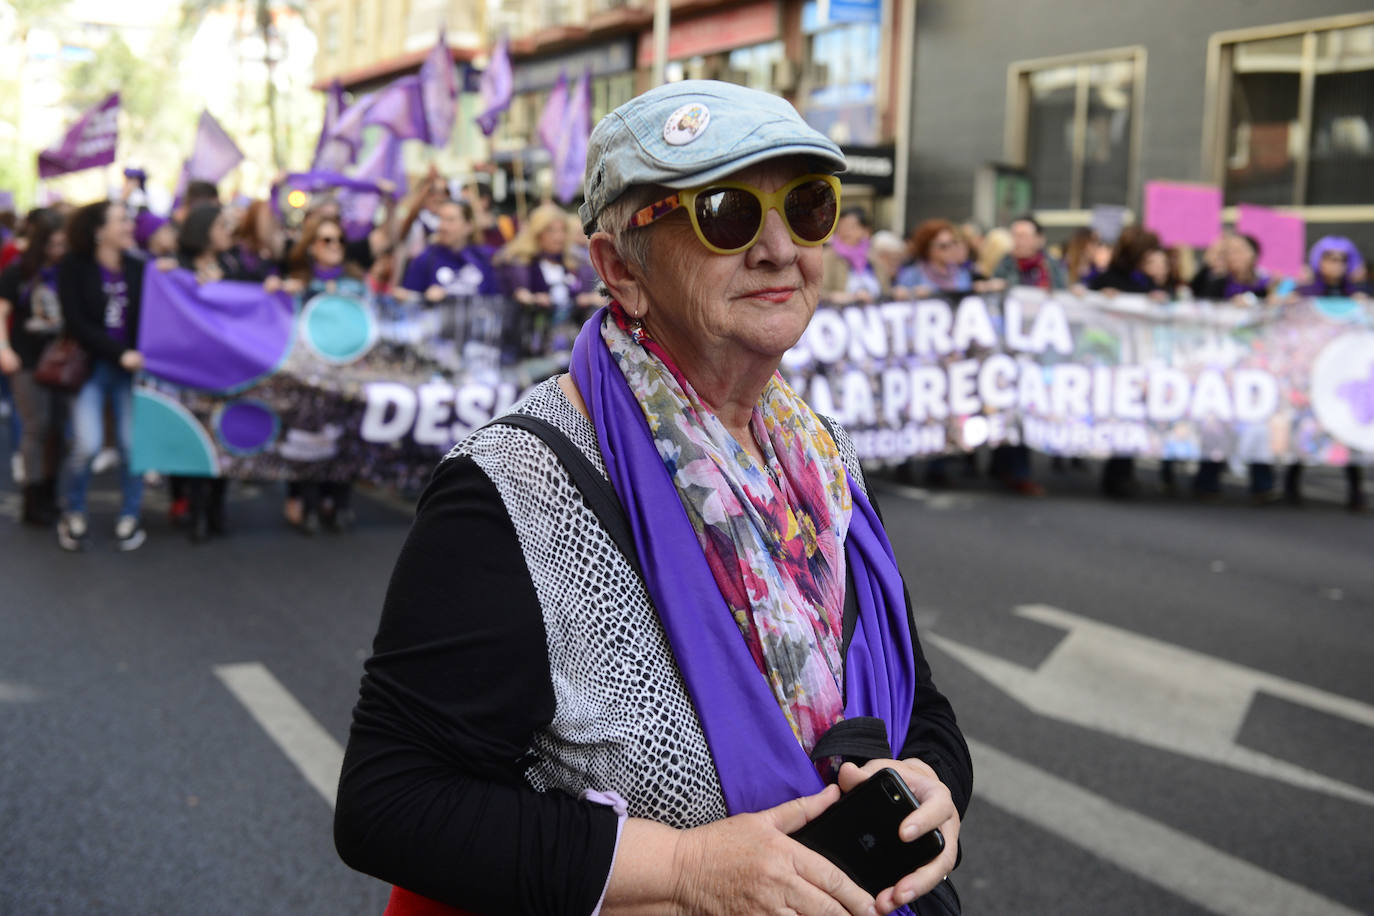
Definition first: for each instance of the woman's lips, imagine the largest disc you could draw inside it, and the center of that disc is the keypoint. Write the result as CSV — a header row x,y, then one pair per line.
x,y
772,294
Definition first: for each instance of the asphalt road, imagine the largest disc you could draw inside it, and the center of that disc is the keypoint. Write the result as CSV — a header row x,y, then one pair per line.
x,y
1171,705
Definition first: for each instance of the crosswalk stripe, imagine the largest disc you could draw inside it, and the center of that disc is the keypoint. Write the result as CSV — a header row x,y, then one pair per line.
x,y
1177,862
304,741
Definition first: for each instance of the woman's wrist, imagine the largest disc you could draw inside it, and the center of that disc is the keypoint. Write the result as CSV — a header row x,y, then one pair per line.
x,y
651,873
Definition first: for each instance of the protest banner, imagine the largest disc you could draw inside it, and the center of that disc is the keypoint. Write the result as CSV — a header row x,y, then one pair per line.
x,y
1183,214
88,143
243,383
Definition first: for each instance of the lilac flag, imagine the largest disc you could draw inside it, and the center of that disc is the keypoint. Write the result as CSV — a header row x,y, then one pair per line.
x,y
498,84
88,143
358,208
400,108
439,92
215,153
329,153
555,116
570,155
348,129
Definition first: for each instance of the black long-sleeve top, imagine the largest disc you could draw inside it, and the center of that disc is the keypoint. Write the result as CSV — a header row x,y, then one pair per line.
x,y
434,794
80,287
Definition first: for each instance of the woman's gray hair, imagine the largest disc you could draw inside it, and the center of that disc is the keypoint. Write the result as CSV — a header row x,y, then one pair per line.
x,y
631,243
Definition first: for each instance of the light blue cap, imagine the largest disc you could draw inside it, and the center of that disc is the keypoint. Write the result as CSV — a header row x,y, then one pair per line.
x,y
687,133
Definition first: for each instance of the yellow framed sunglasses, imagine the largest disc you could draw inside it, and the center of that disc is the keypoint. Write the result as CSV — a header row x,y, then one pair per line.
x,y
728,216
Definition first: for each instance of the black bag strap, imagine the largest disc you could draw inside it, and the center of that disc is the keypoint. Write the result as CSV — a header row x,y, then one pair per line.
x,y
596,490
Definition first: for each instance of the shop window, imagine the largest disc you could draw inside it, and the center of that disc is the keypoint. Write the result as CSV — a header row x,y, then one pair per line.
x,y
1299,116
838,87
1074,128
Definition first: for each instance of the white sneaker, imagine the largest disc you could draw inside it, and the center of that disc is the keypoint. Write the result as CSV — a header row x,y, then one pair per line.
x,y
71,532
105,459
129,535
17,467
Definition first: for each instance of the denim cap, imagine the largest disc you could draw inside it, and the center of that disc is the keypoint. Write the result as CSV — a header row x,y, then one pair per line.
x,y
687,133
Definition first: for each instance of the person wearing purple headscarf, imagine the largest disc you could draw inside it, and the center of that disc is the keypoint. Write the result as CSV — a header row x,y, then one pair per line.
x,y
1335,264
650,624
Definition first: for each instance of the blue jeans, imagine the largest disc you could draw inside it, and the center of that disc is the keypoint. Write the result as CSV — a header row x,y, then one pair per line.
x,y
109,383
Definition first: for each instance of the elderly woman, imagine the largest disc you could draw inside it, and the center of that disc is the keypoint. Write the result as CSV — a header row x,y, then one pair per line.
x,y
626,701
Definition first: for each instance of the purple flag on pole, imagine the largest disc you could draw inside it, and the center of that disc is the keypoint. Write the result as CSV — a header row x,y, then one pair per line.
x,y
400,108
348,129
330,154
570,151
88,143
358,207
498,84
555,115
215,153
439,92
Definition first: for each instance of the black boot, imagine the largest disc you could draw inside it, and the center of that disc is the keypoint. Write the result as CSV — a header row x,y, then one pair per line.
x,y
199,489
1292,484
214,511
35,511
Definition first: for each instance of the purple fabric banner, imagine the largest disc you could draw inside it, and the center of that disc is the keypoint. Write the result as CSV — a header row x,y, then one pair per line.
x,y
88,143
400,108
439,92
498,84
215,337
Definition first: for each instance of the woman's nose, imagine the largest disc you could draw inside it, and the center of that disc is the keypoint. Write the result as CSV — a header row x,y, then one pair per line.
x,y
774,246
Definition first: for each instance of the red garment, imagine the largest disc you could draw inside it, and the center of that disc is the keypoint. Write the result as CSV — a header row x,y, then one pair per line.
x,y
409,903
10,253
1033,272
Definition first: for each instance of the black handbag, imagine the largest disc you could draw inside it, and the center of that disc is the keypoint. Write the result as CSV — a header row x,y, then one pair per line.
x,y
63,365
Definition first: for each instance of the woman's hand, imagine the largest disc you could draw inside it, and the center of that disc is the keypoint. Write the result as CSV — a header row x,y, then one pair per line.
x,y
9,360
435,293
937,810
165,264
271,284
747,864
293,287
131,360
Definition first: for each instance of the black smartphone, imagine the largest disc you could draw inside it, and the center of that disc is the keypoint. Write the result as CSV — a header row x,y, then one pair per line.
x,y
859,833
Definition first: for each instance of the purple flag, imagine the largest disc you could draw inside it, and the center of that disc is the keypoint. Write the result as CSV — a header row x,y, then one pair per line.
x,y
329,153
570,154
400,108
498,84
88,143
358,207
215,153
439,92
555,116
348,129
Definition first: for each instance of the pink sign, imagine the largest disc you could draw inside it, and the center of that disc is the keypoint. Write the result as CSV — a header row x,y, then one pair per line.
x,y
1183,214
1282,238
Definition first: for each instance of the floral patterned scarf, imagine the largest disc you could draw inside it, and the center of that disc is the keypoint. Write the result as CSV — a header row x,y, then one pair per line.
x,y
773,535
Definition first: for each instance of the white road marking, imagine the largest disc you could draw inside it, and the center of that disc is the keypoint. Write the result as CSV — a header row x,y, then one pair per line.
x,y
304,741
12,692
1146,690
1185,866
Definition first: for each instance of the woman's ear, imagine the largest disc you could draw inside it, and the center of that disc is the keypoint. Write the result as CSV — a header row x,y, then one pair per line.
x,y
624,283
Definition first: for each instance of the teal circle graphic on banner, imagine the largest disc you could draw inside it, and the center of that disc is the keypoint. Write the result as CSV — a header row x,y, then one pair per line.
x,y
246,427
169,439
338,328
1349,310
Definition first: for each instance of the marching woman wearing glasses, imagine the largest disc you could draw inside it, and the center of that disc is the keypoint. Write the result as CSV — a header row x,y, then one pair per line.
x,y
644,624
318,265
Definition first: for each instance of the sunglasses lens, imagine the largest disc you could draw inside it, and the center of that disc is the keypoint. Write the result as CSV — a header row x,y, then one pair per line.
x,y
812,210
728,217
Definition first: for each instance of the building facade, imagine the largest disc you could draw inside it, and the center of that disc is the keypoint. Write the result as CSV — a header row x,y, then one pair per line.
x,y
1271,100
832,60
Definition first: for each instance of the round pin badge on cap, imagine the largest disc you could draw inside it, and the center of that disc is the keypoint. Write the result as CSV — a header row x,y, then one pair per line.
x,y
686,124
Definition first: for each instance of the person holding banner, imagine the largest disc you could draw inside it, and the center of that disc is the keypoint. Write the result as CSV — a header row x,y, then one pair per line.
x,y
452,266
625,701
30,320
540,269
100,285
318,265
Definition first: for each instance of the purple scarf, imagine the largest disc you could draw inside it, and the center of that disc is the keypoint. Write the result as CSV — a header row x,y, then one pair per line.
x,y
856,254
760,762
